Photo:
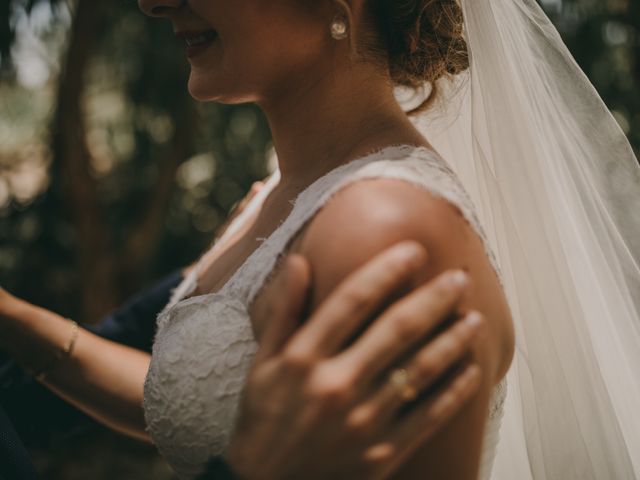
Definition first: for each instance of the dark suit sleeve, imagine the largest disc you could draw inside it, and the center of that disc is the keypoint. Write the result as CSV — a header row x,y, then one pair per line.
x,y
218,469
14,459
37,414
134,324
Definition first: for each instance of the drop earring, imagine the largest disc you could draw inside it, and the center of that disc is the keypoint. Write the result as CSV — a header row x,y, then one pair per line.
x,y
339,29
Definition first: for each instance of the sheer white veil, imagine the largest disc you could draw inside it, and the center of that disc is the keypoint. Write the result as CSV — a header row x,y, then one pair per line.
x,y
557,187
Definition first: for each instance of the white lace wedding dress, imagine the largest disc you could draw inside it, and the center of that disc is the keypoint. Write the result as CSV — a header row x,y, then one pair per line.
x,y
205,344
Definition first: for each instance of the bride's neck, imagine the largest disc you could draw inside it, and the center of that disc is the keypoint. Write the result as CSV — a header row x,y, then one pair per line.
x,y
334,120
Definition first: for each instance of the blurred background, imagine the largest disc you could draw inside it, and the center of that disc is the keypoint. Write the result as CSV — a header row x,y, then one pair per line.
x,y
111,176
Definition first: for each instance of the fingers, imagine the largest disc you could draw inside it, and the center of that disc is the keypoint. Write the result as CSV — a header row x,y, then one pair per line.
x,y
240,207
255,189
281,306
404,325
429,365
354,301
428,417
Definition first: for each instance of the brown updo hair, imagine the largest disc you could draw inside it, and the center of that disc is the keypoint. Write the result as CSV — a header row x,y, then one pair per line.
x,y
420,41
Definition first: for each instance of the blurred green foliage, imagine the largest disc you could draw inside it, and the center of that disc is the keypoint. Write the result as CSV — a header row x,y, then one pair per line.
x,y
140,125
604,37
161,172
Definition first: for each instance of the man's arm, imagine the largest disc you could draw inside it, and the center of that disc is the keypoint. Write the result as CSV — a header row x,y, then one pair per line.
x,y
134,324
14,459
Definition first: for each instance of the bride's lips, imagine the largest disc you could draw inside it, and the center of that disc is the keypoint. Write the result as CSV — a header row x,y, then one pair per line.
x,y
197,41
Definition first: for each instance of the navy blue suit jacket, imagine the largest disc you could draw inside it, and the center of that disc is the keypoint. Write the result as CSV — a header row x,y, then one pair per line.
x,y
36,415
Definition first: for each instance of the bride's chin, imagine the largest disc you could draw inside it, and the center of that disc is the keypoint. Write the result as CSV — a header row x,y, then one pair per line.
x,y
202,89
199,89
209,86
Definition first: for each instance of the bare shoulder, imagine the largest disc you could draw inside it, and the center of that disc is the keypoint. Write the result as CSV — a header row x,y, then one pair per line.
x,y
368,216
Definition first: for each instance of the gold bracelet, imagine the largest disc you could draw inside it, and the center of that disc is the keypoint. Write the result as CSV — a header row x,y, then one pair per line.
x,y
41,374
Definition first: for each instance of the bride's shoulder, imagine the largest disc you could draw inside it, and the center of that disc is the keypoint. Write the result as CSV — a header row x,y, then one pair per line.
x,y
368,215
364,217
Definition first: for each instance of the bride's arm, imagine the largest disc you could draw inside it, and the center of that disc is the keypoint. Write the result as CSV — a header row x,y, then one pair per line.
x,y
368,216
102,378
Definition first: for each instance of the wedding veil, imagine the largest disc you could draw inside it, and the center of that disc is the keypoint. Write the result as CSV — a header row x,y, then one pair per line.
x,y
557,188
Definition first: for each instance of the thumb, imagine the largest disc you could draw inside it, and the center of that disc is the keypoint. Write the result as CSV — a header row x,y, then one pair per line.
x,y
283,304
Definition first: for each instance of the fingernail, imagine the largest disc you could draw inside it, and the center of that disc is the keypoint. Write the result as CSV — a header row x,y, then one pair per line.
x,y
458,279
410,251
473,374
474,320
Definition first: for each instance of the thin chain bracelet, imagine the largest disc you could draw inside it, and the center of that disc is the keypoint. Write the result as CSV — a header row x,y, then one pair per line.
x,y
41,374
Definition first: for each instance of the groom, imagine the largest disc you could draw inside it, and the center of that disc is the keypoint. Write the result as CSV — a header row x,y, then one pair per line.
x,y
37,414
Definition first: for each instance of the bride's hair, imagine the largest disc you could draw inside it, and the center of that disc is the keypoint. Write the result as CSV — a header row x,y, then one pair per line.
x,y
421,41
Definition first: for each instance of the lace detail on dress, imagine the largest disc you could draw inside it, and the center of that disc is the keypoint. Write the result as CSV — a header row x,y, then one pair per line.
x,y
200,362
205,345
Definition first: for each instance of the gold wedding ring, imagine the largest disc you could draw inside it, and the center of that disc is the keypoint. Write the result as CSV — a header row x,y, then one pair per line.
x,y
399,379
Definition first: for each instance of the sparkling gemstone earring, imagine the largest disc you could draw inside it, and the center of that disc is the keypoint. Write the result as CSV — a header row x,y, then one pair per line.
x,y
339,30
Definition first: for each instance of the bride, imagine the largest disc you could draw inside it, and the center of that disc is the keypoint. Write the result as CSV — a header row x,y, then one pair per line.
x,y
464,126
355,176
507,165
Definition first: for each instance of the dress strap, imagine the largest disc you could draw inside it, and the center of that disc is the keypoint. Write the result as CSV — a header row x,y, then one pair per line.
x,y
416,165
190,283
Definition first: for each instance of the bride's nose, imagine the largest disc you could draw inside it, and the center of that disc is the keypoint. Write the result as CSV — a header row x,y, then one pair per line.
x,y
160,8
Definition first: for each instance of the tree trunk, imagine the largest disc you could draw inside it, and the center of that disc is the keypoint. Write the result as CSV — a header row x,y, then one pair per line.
x,y
71,164
141,245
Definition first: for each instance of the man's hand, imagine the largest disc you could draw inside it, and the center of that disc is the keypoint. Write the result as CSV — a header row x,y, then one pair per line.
x,y
327,400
